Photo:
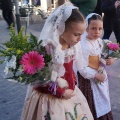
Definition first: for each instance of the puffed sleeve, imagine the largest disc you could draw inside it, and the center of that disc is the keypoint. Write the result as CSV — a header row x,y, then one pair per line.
x,y
46,89
59,91
86,71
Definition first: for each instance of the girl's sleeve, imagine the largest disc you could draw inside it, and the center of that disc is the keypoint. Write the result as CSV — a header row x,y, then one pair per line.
x,y
46,90
84,70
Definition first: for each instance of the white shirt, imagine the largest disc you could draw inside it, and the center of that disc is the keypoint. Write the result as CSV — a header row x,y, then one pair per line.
x,y
100,91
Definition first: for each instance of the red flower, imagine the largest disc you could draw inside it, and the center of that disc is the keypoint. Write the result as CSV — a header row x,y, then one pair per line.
x,y
32,62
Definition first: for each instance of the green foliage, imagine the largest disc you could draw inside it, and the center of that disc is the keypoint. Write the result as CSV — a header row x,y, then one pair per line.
x,y
18,45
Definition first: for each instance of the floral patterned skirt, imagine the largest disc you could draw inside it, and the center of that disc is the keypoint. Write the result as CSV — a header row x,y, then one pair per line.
x,y
85,87
46,107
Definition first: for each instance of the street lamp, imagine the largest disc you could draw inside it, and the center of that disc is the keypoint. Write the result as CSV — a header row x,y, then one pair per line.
x,y
17,15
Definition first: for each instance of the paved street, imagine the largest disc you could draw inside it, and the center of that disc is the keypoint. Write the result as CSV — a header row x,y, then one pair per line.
x,y
12,94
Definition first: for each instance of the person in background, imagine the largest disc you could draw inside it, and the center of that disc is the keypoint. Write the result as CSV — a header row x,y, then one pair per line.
x,y
0,4
61,35
111,23
98,8
93,79
7,11
85,6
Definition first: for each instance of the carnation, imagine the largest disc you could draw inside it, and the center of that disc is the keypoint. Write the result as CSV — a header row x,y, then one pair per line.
x,y
110,49
113,46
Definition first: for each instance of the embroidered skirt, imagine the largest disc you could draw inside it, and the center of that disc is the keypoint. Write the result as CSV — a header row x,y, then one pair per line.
x,y
85,86
40,106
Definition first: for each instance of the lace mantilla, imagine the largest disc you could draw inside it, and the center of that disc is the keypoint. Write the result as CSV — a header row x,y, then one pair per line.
x,y
54,27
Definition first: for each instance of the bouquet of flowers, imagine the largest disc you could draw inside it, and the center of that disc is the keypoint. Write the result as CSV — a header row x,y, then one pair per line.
x,y
26,59
110,49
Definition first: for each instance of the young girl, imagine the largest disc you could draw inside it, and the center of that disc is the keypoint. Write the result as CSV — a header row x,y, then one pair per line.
x,y
61,33
92,82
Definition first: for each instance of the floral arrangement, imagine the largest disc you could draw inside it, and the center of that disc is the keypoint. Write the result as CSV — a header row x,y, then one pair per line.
x,y
110,49
26,59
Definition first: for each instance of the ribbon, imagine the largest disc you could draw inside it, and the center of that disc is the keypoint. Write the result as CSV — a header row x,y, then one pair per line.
x,y
53,87
103,65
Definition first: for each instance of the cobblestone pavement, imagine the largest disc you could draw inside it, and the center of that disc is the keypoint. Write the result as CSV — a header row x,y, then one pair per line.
x,y
12,94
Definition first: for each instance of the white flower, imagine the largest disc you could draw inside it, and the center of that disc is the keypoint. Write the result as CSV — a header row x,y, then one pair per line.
x,y
10,64
107,41
6,70
21,68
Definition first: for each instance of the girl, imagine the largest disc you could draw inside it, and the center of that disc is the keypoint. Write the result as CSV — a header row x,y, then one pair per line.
x,y
92,82
61,33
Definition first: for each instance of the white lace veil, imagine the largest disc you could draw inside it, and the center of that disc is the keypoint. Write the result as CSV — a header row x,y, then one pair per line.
x,y
86,20
54,27
55,23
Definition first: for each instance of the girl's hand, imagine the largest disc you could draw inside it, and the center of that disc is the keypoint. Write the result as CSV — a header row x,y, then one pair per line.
x,y
68,94
100,76
109,61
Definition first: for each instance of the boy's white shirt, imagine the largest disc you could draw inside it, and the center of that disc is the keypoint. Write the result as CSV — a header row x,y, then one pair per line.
x,y
100,91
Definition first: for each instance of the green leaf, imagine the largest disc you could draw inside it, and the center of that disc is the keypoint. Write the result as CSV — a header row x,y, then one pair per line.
x,y
1,61
75,110
71,116
33,39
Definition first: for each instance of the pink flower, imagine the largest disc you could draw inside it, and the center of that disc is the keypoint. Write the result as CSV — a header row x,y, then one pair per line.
x,y
32,62
113,46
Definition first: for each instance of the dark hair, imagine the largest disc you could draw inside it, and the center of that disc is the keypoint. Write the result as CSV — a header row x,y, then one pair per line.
x,y
76,16
94,17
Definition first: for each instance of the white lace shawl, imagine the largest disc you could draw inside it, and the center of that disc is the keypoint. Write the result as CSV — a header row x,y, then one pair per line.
x,y
53,28
74,53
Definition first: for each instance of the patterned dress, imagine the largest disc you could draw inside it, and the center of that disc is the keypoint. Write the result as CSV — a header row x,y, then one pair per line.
x,y
41,104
